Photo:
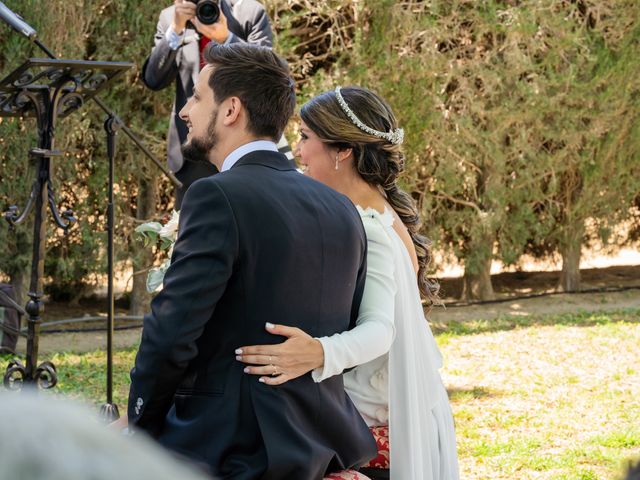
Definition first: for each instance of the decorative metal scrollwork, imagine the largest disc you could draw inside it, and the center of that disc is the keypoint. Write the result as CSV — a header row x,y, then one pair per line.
x,y
75,83
15,375
13,215
46,375
22,100
46,75
24,79
65,219
5,97
95,81
68,103
82,75
16,103
54,74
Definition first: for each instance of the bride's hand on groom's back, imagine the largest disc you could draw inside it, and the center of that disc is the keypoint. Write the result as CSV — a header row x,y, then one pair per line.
x,y
276,364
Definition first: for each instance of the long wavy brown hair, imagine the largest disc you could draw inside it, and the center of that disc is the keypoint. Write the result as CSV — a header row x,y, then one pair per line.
x,y
378,161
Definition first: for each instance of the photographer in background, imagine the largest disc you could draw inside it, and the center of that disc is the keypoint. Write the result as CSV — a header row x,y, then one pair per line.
x,y
177,56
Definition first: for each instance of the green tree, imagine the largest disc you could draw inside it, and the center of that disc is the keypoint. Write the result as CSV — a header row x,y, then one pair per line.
x,y
521,122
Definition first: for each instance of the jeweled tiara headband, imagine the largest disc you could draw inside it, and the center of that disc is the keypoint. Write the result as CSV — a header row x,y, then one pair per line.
x,y
395,136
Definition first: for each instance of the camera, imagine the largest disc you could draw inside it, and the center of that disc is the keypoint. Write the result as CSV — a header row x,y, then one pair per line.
x,y
207,11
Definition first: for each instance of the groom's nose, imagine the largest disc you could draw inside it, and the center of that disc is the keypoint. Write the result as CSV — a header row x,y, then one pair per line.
x,y
184,112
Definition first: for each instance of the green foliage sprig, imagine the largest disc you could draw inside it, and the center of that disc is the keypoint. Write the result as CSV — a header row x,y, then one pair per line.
x,y
163,237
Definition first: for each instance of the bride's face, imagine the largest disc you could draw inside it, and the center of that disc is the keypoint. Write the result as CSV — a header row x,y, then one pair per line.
x,y
316,158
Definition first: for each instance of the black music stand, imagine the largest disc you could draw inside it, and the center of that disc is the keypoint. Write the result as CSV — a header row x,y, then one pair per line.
x,y
48,89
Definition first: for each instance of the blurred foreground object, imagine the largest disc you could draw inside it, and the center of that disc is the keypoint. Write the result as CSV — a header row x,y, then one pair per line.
x,y
47,439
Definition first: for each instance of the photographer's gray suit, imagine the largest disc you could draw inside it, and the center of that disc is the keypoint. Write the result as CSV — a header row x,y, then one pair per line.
x,y
248,22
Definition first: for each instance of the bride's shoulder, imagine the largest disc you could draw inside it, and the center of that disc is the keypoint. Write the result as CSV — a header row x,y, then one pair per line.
x,y
372,216
378,227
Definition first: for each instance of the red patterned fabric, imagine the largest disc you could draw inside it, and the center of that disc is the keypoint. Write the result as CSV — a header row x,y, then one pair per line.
x,y
381,434
204,41
347,475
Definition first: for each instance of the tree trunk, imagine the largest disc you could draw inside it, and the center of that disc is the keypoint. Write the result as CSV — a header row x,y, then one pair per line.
x,y
478,286
477,274
142,256
20,281
570,249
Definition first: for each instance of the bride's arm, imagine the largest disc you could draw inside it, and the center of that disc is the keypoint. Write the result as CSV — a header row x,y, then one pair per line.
x,y
328,356
374,331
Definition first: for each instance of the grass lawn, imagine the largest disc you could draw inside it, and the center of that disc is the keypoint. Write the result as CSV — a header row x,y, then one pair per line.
x,y
542,397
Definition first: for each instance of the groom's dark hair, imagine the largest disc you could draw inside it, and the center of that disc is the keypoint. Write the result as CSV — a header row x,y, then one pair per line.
x,y
260,79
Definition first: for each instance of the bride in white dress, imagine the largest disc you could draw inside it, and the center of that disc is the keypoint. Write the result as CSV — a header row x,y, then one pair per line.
x,y
350,141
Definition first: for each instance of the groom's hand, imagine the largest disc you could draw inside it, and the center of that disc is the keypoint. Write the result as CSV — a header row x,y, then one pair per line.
x,y
277,364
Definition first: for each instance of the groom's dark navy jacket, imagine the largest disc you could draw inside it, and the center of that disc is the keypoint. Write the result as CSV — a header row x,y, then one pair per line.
x,y
258,243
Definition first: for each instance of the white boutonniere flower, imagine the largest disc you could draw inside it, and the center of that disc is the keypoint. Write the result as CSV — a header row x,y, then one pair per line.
x,y
170,230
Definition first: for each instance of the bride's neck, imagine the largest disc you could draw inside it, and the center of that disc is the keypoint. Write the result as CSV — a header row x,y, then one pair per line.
x,y
360,192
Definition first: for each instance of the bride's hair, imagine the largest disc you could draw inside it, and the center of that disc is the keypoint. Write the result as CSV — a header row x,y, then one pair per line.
x,y
377,160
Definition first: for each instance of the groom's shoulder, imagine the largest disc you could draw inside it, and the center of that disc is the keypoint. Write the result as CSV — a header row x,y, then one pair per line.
x,y
205,191
227,184
236,184
324,190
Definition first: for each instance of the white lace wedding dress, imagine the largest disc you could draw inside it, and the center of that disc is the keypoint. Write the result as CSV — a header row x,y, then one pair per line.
x,y
396,381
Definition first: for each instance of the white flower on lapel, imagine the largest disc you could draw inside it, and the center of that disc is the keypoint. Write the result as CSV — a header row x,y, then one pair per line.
x,y
170,229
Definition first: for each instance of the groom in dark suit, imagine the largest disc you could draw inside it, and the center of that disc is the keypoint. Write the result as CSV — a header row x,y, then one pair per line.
x,y
257,243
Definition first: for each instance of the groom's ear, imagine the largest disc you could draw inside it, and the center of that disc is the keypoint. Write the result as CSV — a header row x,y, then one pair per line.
x,y
231,108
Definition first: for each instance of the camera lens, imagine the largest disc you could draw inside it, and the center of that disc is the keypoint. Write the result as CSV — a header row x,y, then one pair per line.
x,y
208,12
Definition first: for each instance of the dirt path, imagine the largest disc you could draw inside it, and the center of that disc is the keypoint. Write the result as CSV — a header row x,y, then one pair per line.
x,y
82,342
548,305
554,304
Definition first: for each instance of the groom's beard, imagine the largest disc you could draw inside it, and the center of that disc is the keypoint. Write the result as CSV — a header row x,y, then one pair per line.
x,y
197,150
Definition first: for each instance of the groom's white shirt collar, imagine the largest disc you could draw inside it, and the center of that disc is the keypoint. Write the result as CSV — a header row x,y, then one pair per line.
x,y
243,150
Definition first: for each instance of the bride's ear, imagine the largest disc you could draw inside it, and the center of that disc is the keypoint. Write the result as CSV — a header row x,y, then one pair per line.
x,y
345,154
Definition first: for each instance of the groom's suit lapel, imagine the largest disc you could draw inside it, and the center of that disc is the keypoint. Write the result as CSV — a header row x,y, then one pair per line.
x,y
274,160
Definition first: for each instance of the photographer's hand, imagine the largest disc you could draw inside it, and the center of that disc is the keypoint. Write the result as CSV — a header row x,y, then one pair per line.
x,y
185,11
218,32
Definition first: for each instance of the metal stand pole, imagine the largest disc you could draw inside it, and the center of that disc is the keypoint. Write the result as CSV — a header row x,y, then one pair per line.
x,y
42,198
35,307
109,410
